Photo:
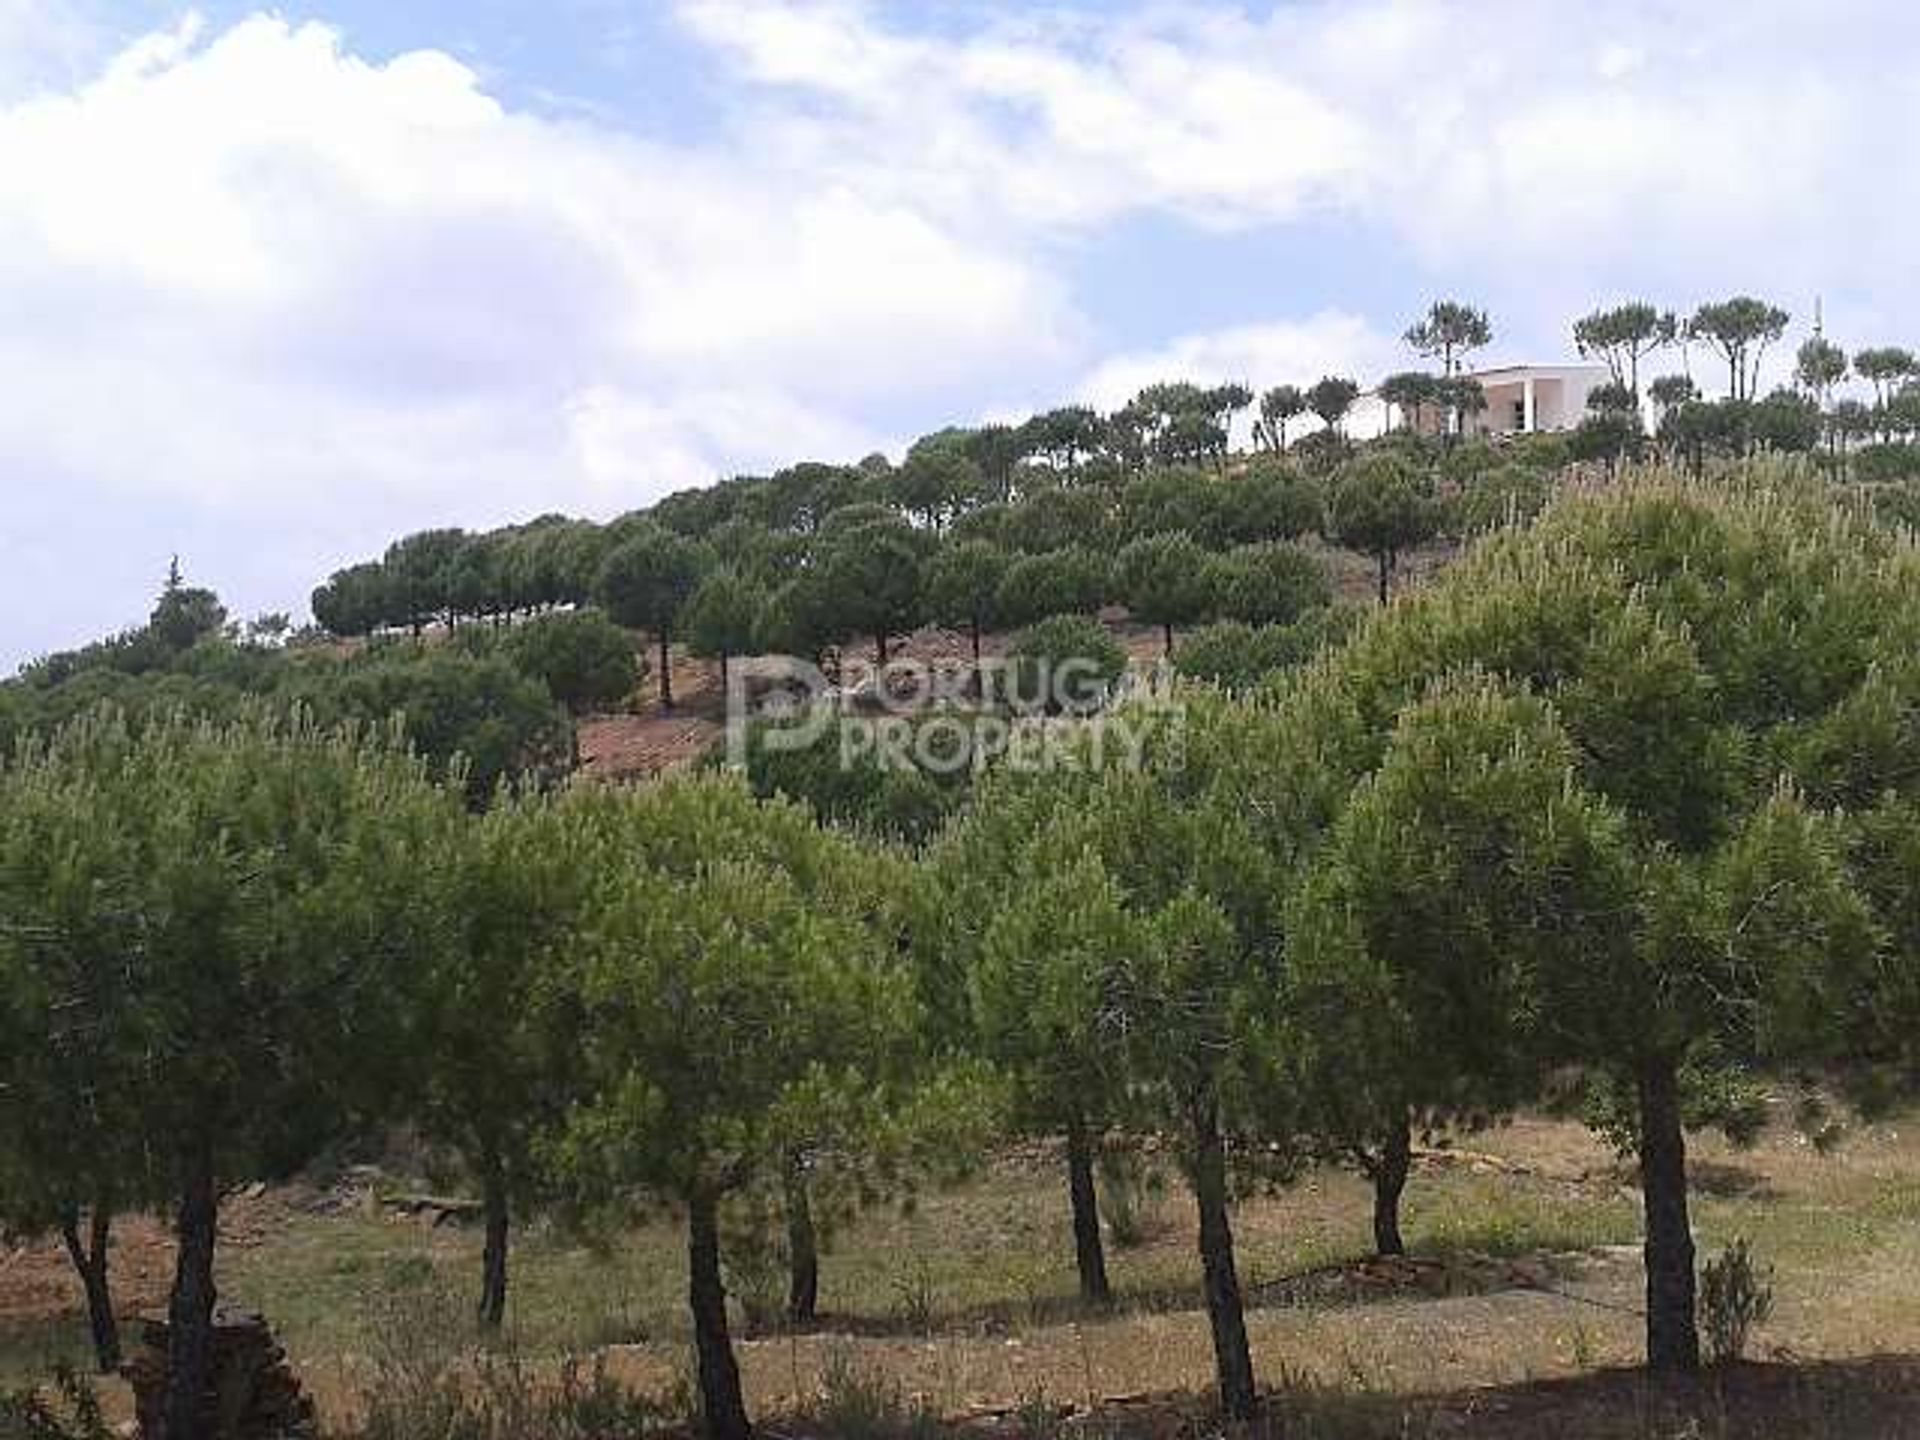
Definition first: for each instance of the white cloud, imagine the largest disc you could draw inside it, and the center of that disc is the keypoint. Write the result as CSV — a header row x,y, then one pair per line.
x,y
42,43
1514,147
1284,351
288,303
1063,123
274,304
1331,343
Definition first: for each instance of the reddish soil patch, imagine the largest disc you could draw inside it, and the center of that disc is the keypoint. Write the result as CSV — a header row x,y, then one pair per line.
x,y
652,740
38,1286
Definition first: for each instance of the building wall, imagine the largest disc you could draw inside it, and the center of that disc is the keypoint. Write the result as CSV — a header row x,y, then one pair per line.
x,y
1559,398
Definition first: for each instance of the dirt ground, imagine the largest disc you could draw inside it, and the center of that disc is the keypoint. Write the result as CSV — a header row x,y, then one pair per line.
x,y
1517,1315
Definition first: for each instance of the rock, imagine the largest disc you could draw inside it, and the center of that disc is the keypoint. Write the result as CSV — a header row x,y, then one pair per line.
x,y
1531,1275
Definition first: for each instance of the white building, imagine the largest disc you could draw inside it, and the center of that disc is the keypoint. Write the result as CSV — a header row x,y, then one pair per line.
x,y
1521,399
1524,398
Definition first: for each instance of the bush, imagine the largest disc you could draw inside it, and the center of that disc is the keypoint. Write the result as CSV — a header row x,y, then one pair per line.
x,y
1320,452
1542,450
894,777
1272,584
1736,1297
1466,460
1166,580
1881,463
1380,506
1074,580
1509,495
425,1385
1237,656
1066,663
1898,505
857,1403
479,708
29,1415
1132,1199
1164,502
585,660
1056,519
1269,500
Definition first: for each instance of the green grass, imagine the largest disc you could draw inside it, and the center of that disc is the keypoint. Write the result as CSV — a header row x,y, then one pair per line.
x,y
1508,1218
34,1349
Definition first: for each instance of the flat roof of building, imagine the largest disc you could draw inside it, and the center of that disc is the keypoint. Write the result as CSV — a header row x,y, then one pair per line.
x,y
1521,371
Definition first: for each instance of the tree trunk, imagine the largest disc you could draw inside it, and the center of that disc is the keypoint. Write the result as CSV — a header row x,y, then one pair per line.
x,y
493,1262
803,1248
1673,1342
1167,632
1389,1181
190,1310
1087,1249
89,1258
880,647
1232,1360
723,1409
666,671
726,685
1386,564
973,627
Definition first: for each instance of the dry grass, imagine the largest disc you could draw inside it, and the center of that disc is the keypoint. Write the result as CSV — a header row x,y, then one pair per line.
x,y
1524,1295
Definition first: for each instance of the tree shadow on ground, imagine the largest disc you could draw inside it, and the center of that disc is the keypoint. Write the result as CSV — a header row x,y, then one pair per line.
x,y
1876,1396
1357,1281
1871,1398
1726,1181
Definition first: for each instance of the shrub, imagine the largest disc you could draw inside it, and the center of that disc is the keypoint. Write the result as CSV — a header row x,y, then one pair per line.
x,y
480,708
1509,495
1238,656
1065,663
1132,1199
1464,461
1166,580
866,775
1380,506
1320,452
585,660
1898,505
1074,580
858,1403
1270,500
1887,461
504,1398
1272,584
1736,1297
1055,519
1165,502
1543,450
425,1385
29,1415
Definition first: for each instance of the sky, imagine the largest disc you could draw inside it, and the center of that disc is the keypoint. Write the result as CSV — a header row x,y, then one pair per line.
x,y
277,286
